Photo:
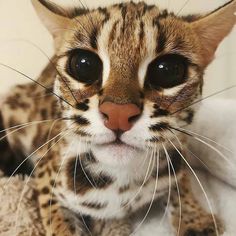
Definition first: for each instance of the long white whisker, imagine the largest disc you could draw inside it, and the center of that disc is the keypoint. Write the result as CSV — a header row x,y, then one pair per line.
x,y
146,177
177,186
54,184
25,125
169,189
86,175
200,184
205,137
22,127
154,193
75,172
28,179
188,150
27,158
211,147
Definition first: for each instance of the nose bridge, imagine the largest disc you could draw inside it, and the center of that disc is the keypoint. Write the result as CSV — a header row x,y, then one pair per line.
x,y
121,88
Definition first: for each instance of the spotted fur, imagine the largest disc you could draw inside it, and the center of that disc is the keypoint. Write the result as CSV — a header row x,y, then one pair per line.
x,y
84,180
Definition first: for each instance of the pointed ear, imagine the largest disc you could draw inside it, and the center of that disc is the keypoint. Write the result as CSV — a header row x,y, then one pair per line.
x,y
214,27
53,17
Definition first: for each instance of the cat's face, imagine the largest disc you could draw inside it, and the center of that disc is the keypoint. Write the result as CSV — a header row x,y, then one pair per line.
x,y
130,72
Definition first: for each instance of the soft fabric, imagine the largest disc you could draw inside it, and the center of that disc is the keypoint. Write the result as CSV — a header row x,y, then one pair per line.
x,y
216,120
18,214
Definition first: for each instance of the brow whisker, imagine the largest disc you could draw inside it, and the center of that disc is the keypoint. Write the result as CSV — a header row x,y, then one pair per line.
x,y
54,66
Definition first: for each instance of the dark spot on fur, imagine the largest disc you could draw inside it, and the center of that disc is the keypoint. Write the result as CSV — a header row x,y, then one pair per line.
x,y
161,39
111,39
154,139
159,127
189,118
141,33
191,18
100,93
49,203
124,189
176,161
106,14
97,206
52,182
82,106
84,179
93,38
45,190
82,133
138,198
41,174
12,157
44,114
158,112
82,121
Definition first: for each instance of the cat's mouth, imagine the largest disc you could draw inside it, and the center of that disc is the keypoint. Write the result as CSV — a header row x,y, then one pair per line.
x,y
118,143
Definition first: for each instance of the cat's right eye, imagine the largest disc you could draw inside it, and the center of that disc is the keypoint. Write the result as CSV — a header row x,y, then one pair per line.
x,y
84,66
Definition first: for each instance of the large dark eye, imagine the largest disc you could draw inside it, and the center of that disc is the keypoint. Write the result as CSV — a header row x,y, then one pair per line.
x,y
84,66
167,71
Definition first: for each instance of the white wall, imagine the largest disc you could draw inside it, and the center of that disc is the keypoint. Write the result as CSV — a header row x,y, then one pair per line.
x,y
18,24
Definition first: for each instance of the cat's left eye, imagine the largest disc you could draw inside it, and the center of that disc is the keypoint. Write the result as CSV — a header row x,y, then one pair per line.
x,y
84,66
167,71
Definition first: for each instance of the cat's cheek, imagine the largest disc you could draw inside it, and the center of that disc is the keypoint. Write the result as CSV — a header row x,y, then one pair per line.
x,y
116,155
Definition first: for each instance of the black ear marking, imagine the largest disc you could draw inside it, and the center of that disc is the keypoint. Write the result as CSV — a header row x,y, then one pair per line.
x,y
69,13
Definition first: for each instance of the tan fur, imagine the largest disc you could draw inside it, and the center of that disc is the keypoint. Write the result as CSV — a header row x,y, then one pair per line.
x,y
126,37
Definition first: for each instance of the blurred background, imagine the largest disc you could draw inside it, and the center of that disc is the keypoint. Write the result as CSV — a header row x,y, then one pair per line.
x,y
20,27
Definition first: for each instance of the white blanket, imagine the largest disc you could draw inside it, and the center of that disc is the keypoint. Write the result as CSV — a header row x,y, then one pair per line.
x,y
216,119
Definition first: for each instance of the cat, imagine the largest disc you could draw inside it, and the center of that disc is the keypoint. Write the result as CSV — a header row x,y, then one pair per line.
x,y
101,118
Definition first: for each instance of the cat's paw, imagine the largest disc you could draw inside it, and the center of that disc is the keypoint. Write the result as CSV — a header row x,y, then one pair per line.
x,y
204,226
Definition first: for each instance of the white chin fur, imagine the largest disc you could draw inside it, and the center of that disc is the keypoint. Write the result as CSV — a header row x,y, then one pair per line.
x,y
117,155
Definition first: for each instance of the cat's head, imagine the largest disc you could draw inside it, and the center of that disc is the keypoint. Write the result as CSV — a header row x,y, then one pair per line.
x,y
131,71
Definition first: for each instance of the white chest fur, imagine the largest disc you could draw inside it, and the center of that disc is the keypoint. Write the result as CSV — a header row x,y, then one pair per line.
x,y
129,191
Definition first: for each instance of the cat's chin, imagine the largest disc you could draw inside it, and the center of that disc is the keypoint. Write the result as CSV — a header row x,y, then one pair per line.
x,y
117,154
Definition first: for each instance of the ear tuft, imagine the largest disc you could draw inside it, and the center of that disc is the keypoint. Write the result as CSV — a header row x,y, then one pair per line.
x,y
214,27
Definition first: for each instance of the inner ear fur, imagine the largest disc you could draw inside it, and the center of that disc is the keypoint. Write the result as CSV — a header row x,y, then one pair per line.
x,y
52,16
214,27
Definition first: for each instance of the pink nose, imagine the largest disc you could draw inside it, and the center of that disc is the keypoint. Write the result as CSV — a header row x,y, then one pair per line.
x,y
119,117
